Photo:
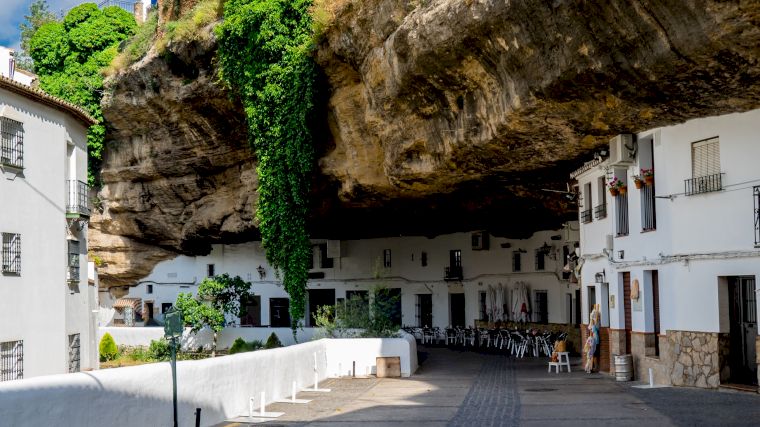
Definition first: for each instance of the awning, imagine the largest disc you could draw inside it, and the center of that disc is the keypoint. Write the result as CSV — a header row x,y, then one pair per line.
x,y
134,303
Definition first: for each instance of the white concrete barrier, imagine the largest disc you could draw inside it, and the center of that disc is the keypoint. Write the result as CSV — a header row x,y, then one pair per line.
x,y
221,387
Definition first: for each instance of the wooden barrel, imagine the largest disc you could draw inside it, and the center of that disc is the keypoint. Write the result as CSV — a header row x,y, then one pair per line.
x,y
623,367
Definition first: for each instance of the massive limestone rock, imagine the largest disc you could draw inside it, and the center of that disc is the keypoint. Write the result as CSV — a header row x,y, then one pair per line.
x,y
440,115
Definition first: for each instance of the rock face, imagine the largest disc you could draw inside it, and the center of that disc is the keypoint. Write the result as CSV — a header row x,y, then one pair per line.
x,y
441,115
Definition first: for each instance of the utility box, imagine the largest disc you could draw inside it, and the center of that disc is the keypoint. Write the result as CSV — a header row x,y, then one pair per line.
x,y
388,367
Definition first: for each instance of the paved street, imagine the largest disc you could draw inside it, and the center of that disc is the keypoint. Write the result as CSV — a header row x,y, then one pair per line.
x,y
455,388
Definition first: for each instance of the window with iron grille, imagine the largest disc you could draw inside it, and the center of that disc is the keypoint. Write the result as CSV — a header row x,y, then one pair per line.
x,y
11,253
74,353
11,143
73,274
11,360
705,168
621,215
210,270
423,259
386,258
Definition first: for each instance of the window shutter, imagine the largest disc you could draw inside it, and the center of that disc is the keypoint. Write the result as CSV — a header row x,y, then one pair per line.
x,y
705,158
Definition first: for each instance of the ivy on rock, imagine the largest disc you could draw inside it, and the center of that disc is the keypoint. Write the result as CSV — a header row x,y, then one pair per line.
x,y
265,51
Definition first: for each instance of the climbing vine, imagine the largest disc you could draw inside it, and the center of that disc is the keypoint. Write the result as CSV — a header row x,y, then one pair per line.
x,y
265,56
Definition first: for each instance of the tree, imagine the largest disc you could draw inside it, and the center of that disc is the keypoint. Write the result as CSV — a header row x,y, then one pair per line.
x,y
39,15
69,56
217,297
107,348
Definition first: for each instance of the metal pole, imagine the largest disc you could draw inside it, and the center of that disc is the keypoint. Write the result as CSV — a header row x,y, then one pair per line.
x,y
174,378
197,417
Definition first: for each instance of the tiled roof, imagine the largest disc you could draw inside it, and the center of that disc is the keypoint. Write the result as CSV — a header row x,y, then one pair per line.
x,y
40,96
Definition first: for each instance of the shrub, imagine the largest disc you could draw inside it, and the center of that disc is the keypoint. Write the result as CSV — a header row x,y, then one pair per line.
x,y
273,341
108,349
159,350
239,346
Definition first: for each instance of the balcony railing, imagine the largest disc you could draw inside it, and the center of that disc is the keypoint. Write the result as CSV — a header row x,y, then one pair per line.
x,y
72,274
703,184
77,203
600,211
756,194
648,218
586,216
621,214
453,273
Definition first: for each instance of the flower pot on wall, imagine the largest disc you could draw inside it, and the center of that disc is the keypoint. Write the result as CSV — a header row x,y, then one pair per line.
x,y
614,191
649,180
623,190
638,183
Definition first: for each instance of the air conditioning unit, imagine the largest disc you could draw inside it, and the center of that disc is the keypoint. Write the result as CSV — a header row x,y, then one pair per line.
x,y
480,241
622,150
335,249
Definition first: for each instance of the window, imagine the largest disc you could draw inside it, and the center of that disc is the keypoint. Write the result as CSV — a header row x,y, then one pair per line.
x,y
210,270
73,271
588,204
387,258
705,168
12,143
482,312
540,260
324,261
455,258
148,289
516,261
423,259
165,307
74,353
541,307
11,360
621,206
756,193
600,211
11,253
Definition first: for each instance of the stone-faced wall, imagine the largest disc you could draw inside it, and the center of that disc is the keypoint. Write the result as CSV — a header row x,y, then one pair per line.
x,y
697,358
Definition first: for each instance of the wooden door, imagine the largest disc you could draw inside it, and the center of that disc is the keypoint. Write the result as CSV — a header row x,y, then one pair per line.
x,y
627,305
656,309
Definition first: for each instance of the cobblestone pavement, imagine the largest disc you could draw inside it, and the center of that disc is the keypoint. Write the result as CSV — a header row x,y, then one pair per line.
x,y
456,388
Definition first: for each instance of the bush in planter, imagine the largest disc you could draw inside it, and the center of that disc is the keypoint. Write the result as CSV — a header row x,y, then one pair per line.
x,y
107,348
273,342
159,349
241,346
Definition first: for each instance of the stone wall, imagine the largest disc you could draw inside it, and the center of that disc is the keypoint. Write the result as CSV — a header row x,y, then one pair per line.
x,y
603,352
644,358
697,358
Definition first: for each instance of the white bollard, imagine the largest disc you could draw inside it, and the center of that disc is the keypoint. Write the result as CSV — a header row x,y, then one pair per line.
x,y
250,407
651,378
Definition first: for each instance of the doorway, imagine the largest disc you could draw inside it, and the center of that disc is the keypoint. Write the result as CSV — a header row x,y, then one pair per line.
x,y
148,312
456,306
251,310
627,307
319,298
424,310
743,329
541,313
577,307
389,300
279,312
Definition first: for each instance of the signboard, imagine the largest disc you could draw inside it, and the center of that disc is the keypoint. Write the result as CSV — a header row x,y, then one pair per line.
x,y
173,324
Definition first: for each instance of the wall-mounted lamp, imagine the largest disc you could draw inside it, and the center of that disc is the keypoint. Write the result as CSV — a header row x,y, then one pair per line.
x,y
262,272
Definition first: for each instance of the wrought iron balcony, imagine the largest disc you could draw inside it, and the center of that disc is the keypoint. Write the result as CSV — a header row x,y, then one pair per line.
x,y
453,273
586,216
600,211
756,196
703,184
72,274
12,143
77,202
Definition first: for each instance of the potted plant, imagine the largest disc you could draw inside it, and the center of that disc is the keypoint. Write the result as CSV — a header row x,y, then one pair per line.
x,y
638,181
617,187
648,175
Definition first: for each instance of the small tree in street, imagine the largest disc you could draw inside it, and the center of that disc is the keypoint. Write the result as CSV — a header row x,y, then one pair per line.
x,y
217,297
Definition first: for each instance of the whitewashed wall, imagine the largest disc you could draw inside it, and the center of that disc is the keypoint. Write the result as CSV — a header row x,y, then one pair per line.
x,y
221,386
132,337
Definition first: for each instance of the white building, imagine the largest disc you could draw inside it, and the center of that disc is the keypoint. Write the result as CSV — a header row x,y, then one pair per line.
x,y
674,264
442,281
46,303
8,68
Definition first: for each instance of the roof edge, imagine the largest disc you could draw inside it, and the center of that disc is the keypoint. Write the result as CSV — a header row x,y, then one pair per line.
x,y
51,101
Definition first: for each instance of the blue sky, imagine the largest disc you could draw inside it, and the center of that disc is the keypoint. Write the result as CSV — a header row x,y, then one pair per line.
x,y
12,14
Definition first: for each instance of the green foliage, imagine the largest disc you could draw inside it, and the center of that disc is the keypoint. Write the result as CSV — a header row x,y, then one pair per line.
x,y
108,349
39,15
358,316
265,55
137,46
198,315
241,346
159,349
273,341
69,57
